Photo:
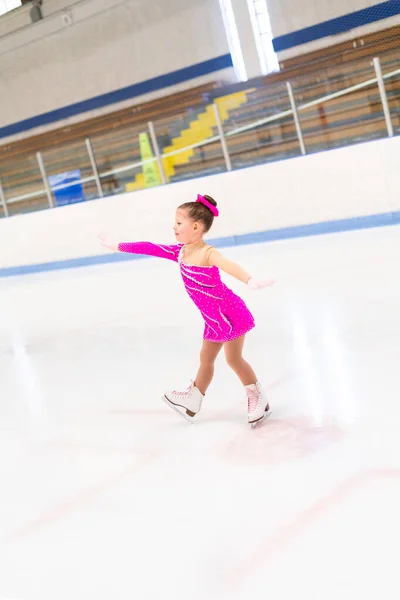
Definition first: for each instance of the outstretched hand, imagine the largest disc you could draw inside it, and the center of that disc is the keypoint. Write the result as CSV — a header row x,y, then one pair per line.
x,y
258,284
107,242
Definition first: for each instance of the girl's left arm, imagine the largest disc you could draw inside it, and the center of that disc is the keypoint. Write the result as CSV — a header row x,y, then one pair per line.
x,y
217,259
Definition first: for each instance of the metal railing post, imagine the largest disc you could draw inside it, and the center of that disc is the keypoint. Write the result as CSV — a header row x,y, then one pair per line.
x,y
94,168
156,149
45,180
296,118
384,100
377,77
3,201
221,134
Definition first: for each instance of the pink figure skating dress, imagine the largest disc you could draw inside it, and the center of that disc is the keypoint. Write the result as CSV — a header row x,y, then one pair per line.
x,y
226,316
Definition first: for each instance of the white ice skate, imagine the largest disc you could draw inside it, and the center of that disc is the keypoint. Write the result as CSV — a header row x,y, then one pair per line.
x,y
258,406
187,403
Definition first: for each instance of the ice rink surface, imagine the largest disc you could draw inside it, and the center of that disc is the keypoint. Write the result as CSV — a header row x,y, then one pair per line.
x,y
107,494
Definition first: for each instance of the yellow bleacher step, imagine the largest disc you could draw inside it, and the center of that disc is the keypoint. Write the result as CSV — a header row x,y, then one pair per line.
x,y
199,130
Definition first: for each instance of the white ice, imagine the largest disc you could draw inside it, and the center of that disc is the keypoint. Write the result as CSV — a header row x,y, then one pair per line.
x,y
107,494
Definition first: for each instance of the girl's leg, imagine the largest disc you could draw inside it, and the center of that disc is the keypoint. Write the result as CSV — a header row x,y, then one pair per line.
x,y
258,407
208,354
234,358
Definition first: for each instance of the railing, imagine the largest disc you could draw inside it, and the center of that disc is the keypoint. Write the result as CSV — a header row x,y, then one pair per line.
x,y
295,123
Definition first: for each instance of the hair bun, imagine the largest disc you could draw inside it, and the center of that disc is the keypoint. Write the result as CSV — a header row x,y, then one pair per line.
x,y
210,200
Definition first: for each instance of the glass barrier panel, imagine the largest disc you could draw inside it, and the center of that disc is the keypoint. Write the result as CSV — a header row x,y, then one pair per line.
x,y
176,136
256,130
69,173
391,66
330,117
22,184
131,179
118,154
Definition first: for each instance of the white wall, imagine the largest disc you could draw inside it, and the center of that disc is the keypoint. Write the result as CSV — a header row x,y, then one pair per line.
x,y
226,75
354,181
17,19
110,44
291,15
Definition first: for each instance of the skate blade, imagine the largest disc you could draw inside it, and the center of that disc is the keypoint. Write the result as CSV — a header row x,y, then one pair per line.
x,y
266,416
178,409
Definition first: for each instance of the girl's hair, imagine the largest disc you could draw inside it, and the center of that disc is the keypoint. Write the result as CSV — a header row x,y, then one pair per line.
x,y
199,212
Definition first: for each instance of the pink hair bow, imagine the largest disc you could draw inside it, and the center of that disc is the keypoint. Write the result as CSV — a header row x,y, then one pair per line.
x,y
204,201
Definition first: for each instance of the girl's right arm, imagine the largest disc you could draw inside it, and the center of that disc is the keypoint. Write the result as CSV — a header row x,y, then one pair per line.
x,y
159,250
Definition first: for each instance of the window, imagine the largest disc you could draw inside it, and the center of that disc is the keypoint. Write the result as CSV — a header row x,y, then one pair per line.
x,y
263,35
7,5
233,39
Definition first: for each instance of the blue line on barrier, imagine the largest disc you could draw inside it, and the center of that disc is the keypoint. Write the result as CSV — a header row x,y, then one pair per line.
x,y
351,224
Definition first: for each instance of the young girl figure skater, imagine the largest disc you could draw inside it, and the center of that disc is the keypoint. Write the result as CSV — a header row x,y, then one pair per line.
x,y
226,317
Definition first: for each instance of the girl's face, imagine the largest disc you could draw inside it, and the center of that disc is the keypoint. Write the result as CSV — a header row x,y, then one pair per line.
x,y
186,230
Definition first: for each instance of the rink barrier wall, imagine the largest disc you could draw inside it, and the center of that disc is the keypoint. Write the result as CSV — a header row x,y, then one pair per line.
x,y
285,233
337,190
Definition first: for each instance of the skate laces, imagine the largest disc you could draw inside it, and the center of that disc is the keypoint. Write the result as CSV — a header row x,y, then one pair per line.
x,y
253,398
183,393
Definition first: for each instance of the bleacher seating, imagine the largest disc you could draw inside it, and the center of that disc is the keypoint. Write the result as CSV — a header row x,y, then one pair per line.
x,y
348,119
343,120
